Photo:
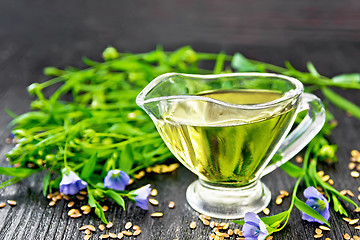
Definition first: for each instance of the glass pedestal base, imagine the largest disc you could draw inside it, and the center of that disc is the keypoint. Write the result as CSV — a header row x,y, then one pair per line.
x,y
227,202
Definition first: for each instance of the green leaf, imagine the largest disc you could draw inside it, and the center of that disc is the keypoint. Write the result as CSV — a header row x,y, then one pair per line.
x,y
116,197
242,64
89,167
10,182
312,69
293,170
91,199
338,207
240,222
309,211
219,64
46,181
18,172
126,159
347,78
341,102
275,220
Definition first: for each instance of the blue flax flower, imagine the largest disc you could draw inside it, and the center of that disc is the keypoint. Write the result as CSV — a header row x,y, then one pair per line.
x,y
141,196
254,228
116,179
71,183
317,202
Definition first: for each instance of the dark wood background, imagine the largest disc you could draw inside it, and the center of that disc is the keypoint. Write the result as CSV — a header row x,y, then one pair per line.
x,y
39,33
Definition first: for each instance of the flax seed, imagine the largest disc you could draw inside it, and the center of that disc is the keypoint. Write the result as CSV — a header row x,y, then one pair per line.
x,y
101,227
83,193
237,232
105,208
299,159
331,182
66,197
87,237
318,231
325,178
73,211
327,238
154,193
351,165
347,219
109,225
347,236
80,197
205,222
128,225
285,193
318,235
76,215
225,235
85,207
2,204
171,204
52,203
321,173
87,232
350,193
131,181
140,175
85,227
70,204
343,192
322,227
358,167
153,202
104,236
127,233
212,224
355,153
212,236
230,232
266,211
269,238
136,227
355,174
357,227
157,214
137,232
225,227
352,222
120,235
356,237
278,201
11,203
173,167
193,225
112,235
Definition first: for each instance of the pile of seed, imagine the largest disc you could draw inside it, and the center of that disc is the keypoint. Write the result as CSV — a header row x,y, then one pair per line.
x,y
279,198
220,231
88,229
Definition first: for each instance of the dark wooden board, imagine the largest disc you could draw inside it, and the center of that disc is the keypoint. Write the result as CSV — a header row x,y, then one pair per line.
x,y
35,34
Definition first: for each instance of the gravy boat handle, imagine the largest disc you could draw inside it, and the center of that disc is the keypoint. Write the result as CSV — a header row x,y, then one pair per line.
x,y
303,133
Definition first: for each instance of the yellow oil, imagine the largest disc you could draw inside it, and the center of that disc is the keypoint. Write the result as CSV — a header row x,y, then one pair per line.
x,y
224,144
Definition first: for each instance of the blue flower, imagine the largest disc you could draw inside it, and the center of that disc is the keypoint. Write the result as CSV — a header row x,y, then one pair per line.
x,y
71,183
254,228
317,202
116,179
141,196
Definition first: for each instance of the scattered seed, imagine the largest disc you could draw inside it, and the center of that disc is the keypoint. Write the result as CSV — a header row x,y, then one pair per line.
x,y
321,173
71,204
120,235
136,227
101,227
357,227
225,235
212,224
205,222
351,165
230,232
299,159
109,225
52,203
66,197
347,219
285,193
237,232
278,201
83,193
127,233
137,232
327,238
266,211
85,207
318,235
153,202
2,204
352,222
157,214
173,167
140,175
80,197
131,181
331,182
154,192
193,225
87,232
343,192
76,215
347,236
318,231
355,174
112,235
171,204
104,236
225,227
202,216
356,237
86,212
11,203
358,167
212,236
105,208
322,227
325,178
73,211
128,225
87,237
58,197
355,153
269,238
350,193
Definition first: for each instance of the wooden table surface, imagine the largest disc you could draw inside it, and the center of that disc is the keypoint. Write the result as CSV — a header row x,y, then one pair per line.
x,y
38,33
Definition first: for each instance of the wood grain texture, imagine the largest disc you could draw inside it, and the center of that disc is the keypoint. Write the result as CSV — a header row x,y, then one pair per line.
x,y
35,34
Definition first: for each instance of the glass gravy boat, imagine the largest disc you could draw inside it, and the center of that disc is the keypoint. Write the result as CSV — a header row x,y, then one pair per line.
x,y
226,128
